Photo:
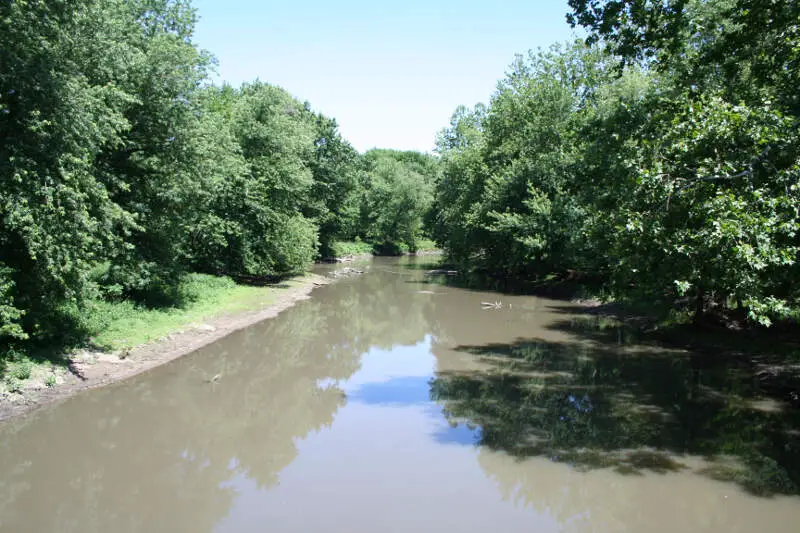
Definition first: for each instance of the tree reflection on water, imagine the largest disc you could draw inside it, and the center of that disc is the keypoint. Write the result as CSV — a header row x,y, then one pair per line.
x,y
631,409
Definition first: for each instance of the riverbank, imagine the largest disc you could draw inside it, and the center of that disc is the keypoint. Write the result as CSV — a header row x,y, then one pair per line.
x,y
171,336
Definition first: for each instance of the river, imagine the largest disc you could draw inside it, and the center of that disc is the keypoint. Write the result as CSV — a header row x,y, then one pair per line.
x,y
391,402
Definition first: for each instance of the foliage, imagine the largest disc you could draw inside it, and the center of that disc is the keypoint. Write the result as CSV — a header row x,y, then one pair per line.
x,y
338,177
747,48
510,196
344,248
397,197
9,315
634,410
426,245
122,170
646,159
56,216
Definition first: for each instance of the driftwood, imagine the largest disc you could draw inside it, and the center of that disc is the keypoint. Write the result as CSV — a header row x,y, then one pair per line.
x,y
347,271
441,272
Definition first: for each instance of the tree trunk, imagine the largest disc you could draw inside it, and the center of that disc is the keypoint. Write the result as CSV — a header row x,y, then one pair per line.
x,y
699,304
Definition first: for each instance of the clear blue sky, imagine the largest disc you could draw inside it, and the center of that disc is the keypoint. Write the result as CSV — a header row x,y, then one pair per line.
x,y
391,73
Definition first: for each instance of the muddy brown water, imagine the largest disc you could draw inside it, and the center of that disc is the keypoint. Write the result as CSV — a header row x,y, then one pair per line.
x,y
394,402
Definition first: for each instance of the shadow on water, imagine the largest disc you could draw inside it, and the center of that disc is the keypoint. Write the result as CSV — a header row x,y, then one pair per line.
x,y
440,272
633,410
773,356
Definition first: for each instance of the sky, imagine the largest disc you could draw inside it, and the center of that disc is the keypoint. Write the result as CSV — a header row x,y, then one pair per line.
x,y
390,73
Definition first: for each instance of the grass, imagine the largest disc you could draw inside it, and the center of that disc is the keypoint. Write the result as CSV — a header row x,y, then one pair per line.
x,y
123,324
426,245
349,248
22,370
345,248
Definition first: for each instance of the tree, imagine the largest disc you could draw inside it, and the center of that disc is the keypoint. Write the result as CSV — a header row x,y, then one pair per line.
x,y
152,172
258,151
650,160
509,191
338,171
397,196
56,215
748,48
714,167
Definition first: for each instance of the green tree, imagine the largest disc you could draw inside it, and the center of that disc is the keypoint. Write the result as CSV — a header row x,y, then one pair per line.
x,y
511,198
396,198
152,172
648,160
338,173
711,166
56,215
258,148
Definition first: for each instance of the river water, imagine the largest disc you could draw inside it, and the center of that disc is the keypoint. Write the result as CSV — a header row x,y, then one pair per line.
x,y
395,402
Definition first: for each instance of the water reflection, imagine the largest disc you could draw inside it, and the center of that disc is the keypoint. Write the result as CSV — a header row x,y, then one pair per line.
x,y
408,390
164,448
389,404
633,410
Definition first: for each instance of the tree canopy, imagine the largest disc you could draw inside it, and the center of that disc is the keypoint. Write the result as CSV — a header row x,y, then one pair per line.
x,y
661,156
122,168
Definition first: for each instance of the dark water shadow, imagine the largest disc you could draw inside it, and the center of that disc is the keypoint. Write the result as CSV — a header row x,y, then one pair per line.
x,y
557,288
772,357
454,281
632,410
427,263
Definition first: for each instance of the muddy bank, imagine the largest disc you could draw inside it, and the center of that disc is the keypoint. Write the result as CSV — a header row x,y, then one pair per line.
x,y
95,368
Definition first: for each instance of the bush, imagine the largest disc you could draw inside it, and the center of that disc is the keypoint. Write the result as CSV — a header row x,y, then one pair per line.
x,y
21,371
13,384
425,245
344,249
391,248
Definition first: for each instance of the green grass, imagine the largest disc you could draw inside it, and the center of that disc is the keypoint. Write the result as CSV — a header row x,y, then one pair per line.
x,y
18,369
345,248
124,324
426,245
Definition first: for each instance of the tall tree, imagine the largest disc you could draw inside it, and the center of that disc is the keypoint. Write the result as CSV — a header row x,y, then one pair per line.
x,y
397,196
56,215
337,171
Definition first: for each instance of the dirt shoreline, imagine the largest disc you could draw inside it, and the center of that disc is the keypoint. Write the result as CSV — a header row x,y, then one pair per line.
x,y
93,369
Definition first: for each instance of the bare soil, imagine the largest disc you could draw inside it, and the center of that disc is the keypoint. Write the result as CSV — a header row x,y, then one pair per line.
x,y
89,369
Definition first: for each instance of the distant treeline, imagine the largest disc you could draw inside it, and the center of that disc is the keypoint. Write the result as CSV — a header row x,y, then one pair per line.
x,y
122,168
659,158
